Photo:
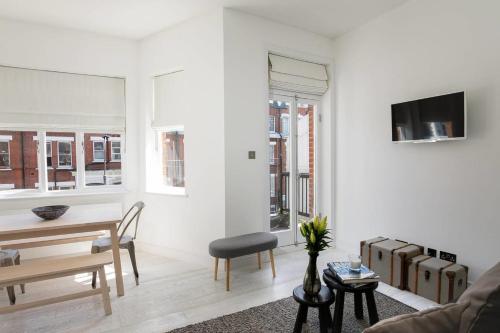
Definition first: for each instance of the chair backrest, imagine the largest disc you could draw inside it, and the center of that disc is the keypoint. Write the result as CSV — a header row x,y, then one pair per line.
x,y
135,214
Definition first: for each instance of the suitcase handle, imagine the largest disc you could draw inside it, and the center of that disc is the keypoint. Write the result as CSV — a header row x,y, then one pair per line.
x,y
460,282
379,255
427,275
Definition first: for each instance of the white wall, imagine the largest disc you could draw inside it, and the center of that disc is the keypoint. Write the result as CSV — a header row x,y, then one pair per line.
x,y
247,40
43,47
442,195
187,223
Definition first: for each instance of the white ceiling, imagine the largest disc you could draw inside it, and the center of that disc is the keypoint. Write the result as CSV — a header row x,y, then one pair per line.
x,y
139,18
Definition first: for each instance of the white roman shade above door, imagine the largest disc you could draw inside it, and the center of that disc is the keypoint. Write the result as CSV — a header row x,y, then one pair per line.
x,y
298,76
53,100
169,99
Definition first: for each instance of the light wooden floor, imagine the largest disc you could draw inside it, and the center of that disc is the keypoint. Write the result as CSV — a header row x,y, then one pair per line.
x,y
172,294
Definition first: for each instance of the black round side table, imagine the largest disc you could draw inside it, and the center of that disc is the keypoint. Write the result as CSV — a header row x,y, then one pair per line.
x,y
323,301
358,292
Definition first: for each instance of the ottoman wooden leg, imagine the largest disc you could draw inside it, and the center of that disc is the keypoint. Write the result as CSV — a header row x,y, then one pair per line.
x,y
271,256
228,270
216,268
358,305
301,318
372,307
338,312
258,260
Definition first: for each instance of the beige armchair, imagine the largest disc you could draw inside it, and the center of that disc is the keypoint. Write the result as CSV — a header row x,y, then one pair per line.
x,y
476,311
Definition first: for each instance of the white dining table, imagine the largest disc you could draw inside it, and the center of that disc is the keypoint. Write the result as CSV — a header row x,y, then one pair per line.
x,y
78,219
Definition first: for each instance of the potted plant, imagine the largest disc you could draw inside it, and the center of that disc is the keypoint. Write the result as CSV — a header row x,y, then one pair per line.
x,y
317,240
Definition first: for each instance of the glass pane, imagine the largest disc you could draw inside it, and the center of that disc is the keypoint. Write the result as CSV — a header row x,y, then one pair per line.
x,y
101,168
279,165
173,158
305,161
61,160
18,160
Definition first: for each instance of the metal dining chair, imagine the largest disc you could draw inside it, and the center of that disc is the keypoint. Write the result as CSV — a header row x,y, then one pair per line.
x,y
10,258
103,244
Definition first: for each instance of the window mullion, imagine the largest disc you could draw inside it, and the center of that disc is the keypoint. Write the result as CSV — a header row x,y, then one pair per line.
x,y
80,161
42,162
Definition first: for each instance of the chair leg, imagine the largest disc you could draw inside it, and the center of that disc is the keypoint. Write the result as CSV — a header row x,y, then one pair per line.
x,y
271,256
94,249
216,268
12,295
131,251
228,271
258,260
18,262
105,290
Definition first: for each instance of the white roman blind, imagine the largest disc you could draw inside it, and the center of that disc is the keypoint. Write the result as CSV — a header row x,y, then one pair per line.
x,y
169,99
53,100
297,76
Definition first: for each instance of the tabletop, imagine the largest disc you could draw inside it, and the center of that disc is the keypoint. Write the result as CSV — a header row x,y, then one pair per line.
x,y
78,216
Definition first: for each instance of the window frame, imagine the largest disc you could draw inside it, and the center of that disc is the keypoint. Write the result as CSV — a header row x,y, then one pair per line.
x,y
273,130
48,143
9,166
80,189
154,176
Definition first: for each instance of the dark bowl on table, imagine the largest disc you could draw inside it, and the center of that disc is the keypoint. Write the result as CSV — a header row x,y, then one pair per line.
x,y
50,212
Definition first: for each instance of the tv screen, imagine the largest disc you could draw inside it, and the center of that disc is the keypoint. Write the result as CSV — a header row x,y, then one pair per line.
x,y
430,119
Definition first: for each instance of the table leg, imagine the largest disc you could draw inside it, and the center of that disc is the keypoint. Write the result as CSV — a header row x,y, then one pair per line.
x,y
372,307
301,318
358,305
325,318
338,312
116,260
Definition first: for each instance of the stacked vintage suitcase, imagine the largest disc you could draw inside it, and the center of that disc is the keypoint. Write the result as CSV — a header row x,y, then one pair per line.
x,y
404,266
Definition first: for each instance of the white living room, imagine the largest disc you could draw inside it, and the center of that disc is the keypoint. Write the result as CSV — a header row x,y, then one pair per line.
x,y
249,166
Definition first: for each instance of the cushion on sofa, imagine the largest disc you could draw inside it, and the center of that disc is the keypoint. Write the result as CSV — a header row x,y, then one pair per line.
x,y
441,319
483,314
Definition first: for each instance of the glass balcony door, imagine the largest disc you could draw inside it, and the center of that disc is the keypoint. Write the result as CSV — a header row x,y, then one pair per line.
x,y
292,166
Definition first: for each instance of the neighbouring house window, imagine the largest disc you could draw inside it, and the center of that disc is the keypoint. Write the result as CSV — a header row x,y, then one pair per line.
x,y
4,155
284,125
172,143
98,151
116,151
274,209
273,185
18,160
64,154
272,159
49,154
102,159
272,124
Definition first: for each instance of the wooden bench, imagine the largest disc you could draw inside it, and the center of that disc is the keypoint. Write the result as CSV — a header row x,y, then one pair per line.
x,y
51,240
46,269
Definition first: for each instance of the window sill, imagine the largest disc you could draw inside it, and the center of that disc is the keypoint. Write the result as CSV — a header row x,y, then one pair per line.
x,y
180,192
6,169
63,193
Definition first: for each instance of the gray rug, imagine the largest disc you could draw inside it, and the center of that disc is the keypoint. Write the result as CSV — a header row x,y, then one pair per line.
x,y
279,316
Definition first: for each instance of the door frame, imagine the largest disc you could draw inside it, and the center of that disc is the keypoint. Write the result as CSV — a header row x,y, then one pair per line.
x,y
292,236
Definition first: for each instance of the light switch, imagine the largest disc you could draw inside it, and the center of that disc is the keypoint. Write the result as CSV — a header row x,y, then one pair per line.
x,y
251,154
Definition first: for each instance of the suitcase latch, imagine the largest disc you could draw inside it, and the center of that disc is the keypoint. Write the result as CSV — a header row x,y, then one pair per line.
x,y
379,255
460,282
427,275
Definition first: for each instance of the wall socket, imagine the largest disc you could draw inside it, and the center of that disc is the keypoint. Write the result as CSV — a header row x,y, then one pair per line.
x,y
251,154
448,256
431,252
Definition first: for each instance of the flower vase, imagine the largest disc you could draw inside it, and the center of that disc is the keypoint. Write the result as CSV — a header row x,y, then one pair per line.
x,y
312,283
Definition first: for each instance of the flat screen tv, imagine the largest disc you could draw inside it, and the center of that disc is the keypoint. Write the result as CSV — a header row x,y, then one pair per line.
x,y
430,119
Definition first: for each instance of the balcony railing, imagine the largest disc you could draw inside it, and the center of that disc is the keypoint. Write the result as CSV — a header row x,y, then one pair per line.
x,y
303,193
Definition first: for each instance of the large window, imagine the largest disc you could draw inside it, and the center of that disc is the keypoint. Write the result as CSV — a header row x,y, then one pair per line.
x,y
65,170
173,158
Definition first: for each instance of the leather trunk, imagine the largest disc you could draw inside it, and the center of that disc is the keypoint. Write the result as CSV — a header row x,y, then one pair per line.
x,y
365,249
382,259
